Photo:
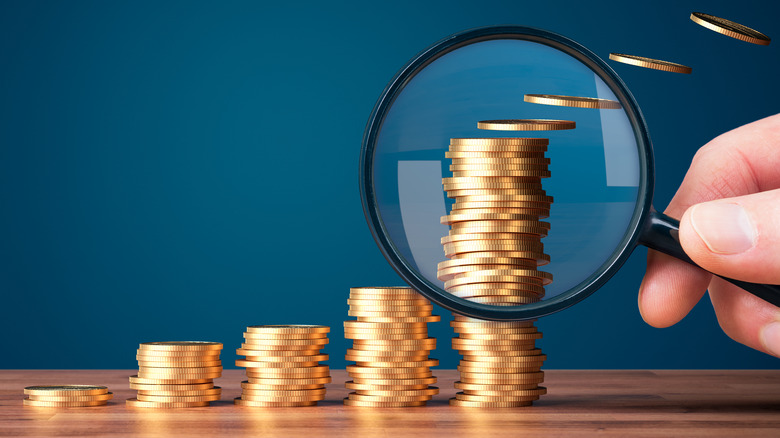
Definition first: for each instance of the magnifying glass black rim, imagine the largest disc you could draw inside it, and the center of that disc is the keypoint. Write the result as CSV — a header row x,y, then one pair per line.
x,y
584,288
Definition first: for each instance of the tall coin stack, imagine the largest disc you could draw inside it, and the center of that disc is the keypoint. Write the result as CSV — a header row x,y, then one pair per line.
x,y
176,374
494,248
66,396
390,347
283,365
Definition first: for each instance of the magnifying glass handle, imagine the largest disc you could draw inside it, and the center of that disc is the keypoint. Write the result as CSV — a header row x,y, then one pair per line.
x,y
661,233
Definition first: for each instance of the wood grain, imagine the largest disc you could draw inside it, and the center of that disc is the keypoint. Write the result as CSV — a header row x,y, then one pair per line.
x,y
579,403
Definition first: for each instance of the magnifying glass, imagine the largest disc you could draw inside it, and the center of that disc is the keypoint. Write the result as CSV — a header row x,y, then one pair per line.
x,y
601,173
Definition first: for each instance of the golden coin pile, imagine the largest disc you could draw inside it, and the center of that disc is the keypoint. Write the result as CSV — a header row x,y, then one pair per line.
x,y
176,374
65,396
390,348
283,365
494,249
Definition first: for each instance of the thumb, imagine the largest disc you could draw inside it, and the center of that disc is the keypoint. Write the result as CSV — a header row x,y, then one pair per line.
x,y
736,237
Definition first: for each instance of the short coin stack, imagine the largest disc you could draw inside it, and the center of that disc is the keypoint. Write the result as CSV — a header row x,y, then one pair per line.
x,y
283,365
65,396
177,374
390,348
494,248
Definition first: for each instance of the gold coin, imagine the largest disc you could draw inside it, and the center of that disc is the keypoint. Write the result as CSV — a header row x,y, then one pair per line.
x,y
387,303
476,404
171,388
156,364
381,308
71,398
540,390
52,404
468,194
281,399
497,336
504,300
429,391
493,289
494,167
526,125
313,371
289,329
472,323
388,299
572,101
395,344
404,364
65,390
546,277
177,399
181,346
460,204
535,359
498,293
497,387
497,151
261,404
540,213
284,392
535,161
169,381
475,349
467,155
467,261
252,382
387,331
312,342
182,393
179,371
494,330
450,273
391,387
499,399
281,354
359,325
373,398
387,373
517,219
386,356
483,378
372,318
505,141
283,337
289,359
254,364
391,290
178,355
478,182
474,277
730,28
135,403
373,404
655,64
384,382
261,346
499,369
475,354
393,337
398,314
496,342
532,174
488,245
285,387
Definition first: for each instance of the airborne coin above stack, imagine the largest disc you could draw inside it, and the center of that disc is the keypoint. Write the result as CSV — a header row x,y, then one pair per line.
x,y
177,374
62,396
494,249
390,348
283,365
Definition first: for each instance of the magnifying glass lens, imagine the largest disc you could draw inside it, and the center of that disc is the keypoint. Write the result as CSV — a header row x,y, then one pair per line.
x,y
593,182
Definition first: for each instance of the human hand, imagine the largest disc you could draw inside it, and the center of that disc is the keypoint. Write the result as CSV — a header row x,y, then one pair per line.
x,y
729,204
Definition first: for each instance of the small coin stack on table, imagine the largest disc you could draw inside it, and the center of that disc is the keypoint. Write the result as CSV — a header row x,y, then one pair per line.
x,y
283,365
177,374
66,396
494,248
390,348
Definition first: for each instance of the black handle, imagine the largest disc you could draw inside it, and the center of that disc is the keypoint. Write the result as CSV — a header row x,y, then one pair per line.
x,y
661,233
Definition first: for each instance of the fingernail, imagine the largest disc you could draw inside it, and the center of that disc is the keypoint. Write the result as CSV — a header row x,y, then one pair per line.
x,y
724,227
770,338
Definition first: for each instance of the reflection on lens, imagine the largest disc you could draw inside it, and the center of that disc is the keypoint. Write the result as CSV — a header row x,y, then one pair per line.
x,y
594,170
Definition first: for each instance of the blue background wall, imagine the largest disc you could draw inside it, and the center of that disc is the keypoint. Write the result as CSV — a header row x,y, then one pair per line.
x,y
180,170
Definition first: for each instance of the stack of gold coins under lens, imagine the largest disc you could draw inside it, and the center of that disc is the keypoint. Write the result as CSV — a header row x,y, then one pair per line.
x,y
283,365
390,347
494,249
65,396
176,374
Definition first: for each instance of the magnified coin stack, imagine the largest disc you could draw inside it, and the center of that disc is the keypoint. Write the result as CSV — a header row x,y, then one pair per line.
x,y
494,249
176,374
390,348
283,365
65,396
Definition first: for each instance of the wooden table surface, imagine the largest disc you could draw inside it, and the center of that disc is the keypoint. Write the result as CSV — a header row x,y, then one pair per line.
x,y
579,403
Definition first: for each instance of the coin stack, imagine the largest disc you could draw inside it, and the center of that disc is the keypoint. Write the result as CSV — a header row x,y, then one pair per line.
x,y
390,347
176,374
283,365
63,396
494,249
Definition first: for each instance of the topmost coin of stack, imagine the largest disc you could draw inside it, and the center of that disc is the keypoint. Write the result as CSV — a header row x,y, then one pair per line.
x,y
176,374
390,348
